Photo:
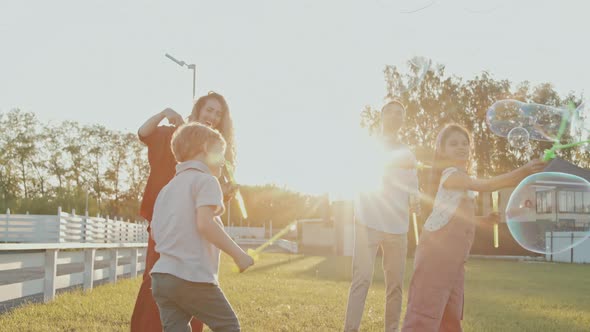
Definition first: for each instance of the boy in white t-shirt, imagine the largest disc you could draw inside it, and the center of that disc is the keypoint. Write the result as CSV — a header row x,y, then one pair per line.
x,y
189,234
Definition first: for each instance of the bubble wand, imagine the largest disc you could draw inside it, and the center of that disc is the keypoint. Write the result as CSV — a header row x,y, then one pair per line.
x,y
229,177
420,165
415,227
238,196
550,154
495,210
255,253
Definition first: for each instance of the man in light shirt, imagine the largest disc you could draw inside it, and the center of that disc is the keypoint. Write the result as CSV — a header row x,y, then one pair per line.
x,y
382,220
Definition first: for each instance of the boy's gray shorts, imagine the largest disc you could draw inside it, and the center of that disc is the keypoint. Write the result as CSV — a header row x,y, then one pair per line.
x,y
179,300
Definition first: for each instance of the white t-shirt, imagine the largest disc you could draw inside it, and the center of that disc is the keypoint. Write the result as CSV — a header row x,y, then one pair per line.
x,y
183,251
445,203
387,209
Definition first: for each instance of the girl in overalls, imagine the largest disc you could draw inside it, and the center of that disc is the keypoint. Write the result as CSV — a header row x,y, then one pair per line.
x,y
435,300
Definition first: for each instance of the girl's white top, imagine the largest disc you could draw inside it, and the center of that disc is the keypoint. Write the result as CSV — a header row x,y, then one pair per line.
x,y
445,203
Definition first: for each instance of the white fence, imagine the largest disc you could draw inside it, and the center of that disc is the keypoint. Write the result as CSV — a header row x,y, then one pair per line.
x,y
41,260
283,244
85,249
578,254
66,227
246,232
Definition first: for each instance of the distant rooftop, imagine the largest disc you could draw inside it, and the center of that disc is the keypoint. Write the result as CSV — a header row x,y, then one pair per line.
x,y
563,166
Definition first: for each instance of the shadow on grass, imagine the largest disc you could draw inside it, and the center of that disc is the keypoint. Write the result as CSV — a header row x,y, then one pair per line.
x,y
7,306
338,268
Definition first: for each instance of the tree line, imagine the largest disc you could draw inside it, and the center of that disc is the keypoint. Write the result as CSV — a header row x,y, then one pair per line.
x,y
67,164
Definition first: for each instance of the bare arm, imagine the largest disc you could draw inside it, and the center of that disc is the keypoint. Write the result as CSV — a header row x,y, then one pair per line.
x,y
461,181
152,123
215,234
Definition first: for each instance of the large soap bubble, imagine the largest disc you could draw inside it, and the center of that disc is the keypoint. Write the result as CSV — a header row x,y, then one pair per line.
x,y
550,212
406,6
505,115
542,122
518,137
580,126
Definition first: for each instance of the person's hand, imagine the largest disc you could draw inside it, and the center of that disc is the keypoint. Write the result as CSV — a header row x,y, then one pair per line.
x,y
534,166
174,118
229,190
244,261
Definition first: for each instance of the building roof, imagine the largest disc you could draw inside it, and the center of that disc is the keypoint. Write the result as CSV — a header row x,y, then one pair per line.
x,y
563,166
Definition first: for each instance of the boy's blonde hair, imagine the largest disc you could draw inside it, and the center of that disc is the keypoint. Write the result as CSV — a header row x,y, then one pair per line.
x,y
190,139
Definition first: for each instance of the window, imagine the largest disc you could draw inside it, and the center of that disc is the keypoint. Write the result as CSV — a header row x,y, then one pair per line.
x,y
566,201
579,202
574,202
544,202
562,201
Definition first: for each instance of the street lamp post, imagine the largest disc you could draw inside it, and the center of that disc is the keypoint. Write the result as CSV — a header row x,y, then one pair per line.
x,y
192,67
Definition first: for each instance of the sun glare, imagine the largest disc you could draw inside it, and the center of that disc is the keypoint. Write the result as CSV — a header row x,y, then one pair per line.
x,y
364,167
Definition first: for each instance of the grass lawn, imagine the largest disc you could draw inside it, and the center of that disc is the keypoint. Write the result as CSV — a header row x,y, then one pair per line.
x,y
307,293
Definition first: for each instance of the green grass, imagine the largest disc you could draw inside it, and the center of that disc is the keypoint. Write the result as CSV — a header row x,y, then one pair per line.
x,y
305,293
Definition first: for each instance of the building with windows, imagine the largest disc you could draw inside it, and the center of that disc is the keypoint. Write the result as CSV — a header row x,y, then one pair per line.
x,y
560,207
564,200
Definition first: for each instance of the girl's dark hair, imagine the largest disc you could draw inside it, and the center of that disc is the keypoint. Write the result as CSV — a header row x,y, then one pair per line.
x,y
225,127
439,162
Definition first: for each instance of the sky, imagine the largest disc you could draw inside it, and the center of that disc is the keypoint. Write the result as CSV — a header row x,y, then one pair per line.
x,y
296,74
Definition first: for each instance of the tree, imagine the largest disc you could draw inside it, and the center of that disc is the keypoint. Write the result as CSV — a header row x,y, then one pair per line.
x,y
20,134
76,151
9,188
97,138
55,146
117,153
441,99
